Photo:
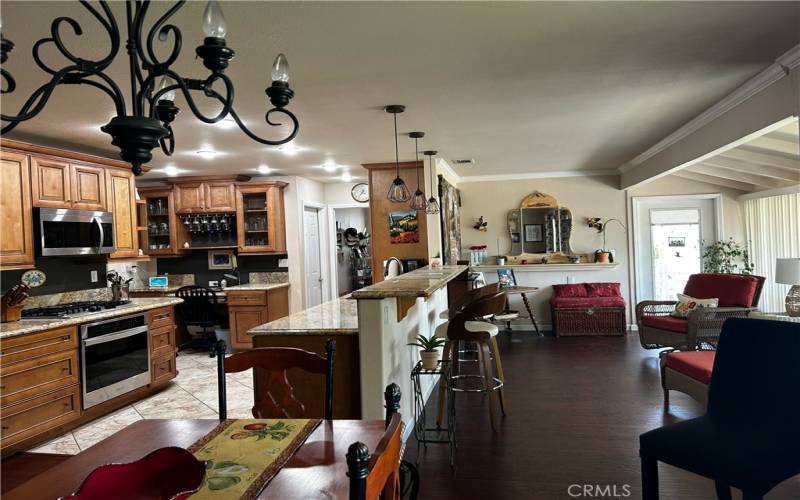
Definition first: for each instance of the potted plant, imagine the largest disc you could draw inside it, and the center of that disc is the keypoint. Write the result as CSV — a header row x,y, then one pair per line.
x,y
429,350
728,257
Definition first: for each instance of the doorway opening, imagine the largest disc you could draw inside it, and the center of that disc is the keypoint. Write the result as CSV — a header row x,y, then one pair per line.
x,y
350,253
669,233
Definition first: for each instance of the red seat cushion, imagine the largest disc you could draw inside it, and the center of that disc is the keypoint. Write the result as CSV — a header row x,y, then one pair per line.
x,y
732,290
587,302
695,364
669,323
571,290
603,289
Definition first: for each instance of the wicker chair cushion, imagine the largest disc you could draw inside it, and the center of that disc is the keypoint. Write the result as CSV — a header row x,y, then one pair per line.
x,y
732,290
587,302
669,323
571,290
695,364
604,289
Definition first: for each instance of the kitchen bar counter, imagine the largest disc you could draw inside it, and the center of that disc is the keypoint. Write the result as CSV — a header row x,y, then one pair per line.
x,y
31,325
336,317
422,282
219,291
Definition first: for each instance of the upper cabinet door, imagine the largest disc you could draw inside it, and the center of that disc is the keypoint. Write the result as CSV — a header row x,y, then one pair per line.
x,y
16,214
122,202
220,197
88,187
50,183
259,219
189,197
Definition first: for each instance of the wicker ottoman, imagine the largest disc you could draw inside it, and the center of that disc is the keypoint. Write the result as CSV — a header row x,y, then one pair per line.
x,y
594,309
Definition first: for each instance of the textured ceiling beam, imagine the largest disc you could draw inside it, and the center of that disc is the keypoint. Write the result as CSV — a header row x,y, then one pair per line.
x,y
745,167
717,181
751,178
790,147
762,157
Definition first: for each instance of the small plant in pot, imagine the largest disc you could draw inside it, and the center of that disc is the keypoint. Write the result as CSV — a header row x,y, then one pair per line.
x,y
429,353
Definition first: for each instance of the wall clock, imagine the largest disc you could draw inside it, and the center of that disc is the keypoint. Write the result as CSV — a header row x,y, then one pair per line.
x,y
360,192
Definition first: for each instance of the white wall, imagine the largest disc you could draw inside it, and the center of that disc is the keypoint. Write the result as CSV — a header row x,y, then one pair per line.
x,y
338,193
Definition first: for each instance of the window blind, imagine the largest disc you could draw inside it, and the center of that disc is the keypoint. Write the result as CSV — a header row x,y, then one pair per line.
x,y
772,226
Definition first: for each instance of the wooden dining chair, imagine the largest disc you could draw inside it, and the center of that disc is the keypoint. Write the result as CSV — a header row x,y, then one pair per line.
x,y
278,399
378,475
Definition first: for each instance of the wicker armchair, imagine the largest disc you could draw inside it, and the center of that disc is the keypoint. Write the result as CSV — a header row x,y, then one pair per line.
x,y
738,295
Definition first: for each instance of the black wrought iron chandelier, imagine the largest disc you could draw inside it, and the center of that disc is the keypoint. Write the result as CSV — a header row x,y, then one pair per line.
x,y
433,205
418,201
136,132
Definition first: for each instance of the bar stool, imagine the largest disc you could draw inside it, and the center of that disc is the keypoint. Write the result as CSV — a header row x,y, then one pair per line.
x,y
464,327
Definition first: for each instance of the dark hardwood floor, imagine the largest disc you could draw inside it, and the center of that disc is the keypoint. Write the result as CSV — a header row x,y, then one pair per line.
x,y
576,407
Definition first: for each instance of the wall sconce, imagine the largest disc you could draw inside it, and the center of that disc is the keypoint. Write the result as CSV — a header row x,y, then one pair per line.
x,y
481,224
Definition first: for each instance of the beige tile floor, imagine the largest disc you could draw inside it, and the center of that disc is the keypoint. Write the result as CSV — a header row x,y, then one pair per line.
x,y
192,394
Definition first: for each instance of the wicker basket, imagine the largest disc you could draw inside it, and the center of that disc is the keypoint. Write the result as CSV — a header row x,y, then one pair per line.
x,y
588,321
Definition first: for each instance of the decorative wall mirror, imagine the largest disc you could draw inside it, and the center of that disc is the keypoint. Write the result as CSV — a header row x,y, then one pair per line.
x,y
540,226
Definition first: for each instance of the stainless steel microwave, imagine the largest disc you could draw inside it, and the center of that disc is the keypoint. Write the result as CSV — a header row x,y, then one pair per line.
x,y
65,231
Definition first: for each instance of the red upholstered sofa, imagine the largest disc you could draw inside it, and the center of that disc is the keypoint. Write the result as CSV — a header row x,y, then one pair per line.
x,y
588,309
738,294
688,372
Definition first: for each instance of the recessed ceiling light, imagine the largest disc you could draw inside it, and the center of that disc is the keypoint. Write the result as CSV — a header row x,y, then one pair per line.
x,y
264,169
226,123
207,153
290,149
329,165
346,177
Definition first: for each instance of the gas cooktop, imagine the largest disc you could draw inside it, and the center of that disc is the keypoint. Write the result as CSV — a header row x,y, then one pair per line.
x,y
72,309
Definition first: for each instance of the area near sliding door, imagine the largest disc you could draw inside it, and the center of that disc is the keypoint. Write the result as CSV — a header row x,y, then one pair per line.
x,y
669,233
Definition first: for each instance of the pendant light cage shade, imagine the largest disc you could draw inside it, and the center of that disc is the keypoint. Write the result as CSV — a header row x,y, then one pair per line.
x,y
433,205
398,191
418,201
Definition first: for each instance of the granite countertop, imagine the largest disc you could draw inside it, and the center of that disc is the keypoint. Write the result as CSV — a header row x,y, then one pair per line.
x,y
420,283
338,316
32,325
257,286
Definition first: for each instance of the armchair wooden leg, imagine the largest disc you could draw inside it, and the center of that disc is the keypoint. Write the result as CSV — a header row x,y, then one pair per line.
x,y
484,358
723,490
499,367
649,478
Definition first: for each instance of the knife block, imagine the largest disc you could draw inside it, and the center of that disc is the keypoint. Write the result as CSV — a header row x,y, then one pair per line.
x,y
10,313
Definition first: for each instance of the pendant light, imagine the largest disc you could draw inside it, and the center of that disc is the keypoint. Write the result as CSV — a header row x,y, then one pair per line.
x,y
398,191
433,205
418,201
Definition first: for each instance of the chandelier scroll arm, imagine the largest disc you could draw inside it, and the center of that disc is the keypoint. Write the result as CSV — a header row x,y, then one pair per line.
x,y
268,142
187,85
162,31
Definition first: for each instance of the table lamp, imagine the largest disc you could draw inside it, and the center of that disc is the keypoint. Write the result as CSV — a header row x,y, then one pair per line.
x,y
787,272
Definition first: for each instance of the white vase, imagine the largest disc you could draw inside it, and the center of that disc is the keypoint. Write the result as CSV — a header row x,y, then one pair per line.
x,y
430,359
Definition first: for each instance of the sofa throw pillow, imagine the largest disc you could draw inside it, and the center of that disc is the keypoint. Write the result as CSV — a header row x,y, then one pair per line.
x,y
687,304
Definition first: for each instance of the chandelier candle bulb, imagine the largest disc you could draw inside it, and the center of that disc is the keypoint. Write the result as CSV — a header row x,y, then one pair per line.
x,y
214,24
280,69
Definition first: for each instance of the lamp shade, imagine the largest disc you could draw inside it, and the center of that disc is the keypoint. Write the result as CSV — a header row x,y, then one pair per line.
x,y
787,271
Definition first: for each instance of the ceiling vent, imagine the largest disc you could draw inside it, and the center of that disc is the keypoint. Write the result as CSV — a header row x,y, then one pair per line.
x,y
464,161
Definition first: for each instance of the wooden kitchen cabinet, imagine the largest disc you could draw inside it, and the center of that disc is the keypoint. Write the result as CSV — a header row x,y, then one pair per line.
x,y
50,183
163,233
88,187
189,197
260,226
220,197
162,345
248,309
16,212
122,203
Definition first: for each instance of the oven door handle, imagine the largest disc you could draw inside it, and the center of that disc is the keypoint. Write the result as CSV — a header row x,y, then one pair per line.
x,y
96,220
114,336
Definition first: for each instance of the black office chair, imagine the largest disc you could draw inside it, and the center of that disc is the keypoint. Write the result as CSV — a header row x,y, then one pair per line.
x,y
749,437
198,309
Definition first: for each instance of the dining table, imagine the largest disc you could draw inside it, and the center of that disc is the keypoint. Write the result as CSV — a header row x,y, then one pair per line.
x,y
318,469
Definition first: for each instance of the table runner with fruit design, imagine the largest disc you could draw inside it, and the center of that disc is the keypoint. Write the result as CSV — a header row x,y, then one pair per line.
x,y
242,456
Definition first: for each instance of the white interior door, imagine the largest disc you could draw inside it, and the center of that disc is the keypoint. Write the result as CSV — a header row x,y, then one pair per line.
x,y
668,239
313,261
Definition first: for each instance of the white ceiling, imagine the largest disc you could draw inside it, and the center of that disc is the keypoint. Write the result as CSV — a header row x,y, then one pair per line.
x,y
519,87
771,161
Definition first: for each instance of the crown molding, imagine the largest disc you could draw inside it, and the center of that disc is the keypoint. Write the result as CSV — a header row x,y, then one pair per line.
x,y
774,72
539,175
443,166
